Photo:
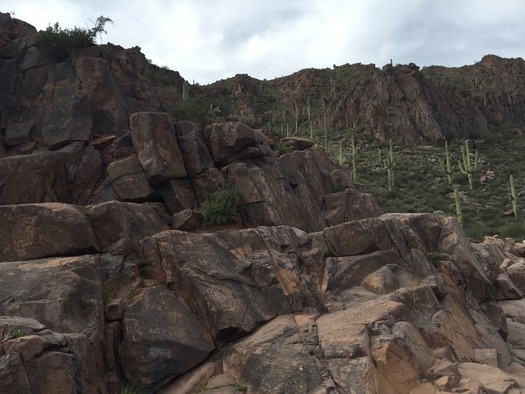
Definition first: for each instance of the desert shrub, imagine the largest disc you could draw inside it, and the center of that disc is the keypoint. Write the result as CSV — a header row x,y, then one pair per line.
x,y
221,207
198,109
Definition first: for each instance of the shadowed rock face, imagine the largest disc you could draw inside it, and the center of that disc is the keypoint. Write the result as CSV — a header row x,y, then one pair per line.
x,y
109,277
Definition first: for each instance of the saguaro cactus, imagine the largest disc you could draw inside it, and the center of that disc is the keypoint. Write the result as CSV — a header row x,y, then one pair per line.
x,y
185,90
467,167
341,157
309,113
457,201
513,197
354,165
445,165
388,164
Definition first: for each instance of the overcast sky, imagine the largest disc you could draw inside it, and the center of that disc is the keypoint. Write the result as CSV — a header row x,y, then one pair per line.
x,y
208,40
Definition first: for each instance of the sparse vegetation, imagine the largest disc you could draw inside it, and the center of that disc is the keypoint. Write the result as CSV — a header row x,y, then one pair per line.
x,y
422,186
282,149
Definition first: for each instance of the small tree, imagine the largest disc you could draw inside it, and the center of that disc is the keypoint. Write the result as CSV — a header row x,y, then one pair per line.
x,y
99,27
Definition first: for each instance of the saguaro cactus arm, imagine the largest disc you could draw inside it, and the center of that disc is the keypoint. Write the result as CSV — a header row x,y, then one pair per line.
x,y
445,165
513,196
457,201
465,166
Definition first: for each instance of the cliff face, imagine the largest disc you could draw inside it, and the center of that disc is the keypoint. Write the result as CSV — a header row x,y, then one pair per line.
x,y
110,278
42,88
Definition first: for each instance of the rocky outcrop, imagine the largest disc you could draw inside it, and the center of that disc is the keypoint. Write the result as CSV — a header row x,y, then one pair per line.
x,y
112,278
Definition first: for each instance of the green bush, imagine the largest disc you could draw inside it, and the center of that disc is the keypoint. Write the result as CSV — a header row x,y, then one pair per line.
x,y
221,207
61,40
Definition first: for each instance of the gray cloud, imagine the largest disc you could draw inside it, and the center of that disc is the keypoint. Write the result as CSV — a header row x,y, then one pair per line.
x,y
207,40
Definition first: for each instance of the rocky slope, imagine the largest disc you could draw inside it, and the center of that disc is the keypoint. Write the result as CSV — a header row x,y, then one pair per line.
x,y
111,279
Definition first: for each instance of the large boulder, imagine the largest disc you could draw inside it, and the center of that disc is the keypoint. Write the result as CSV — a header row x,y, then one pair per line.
x,y
35,178
12,29
84,169
204,267
126,181
109,114
115,223
234,141
275,360
55,291
197,157
237,280
162,338
31,231
267,200
158,151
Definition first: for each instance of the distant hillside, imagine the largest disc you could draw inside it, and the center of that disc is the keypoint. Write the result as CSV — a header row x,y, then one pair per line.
x,y
402,102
